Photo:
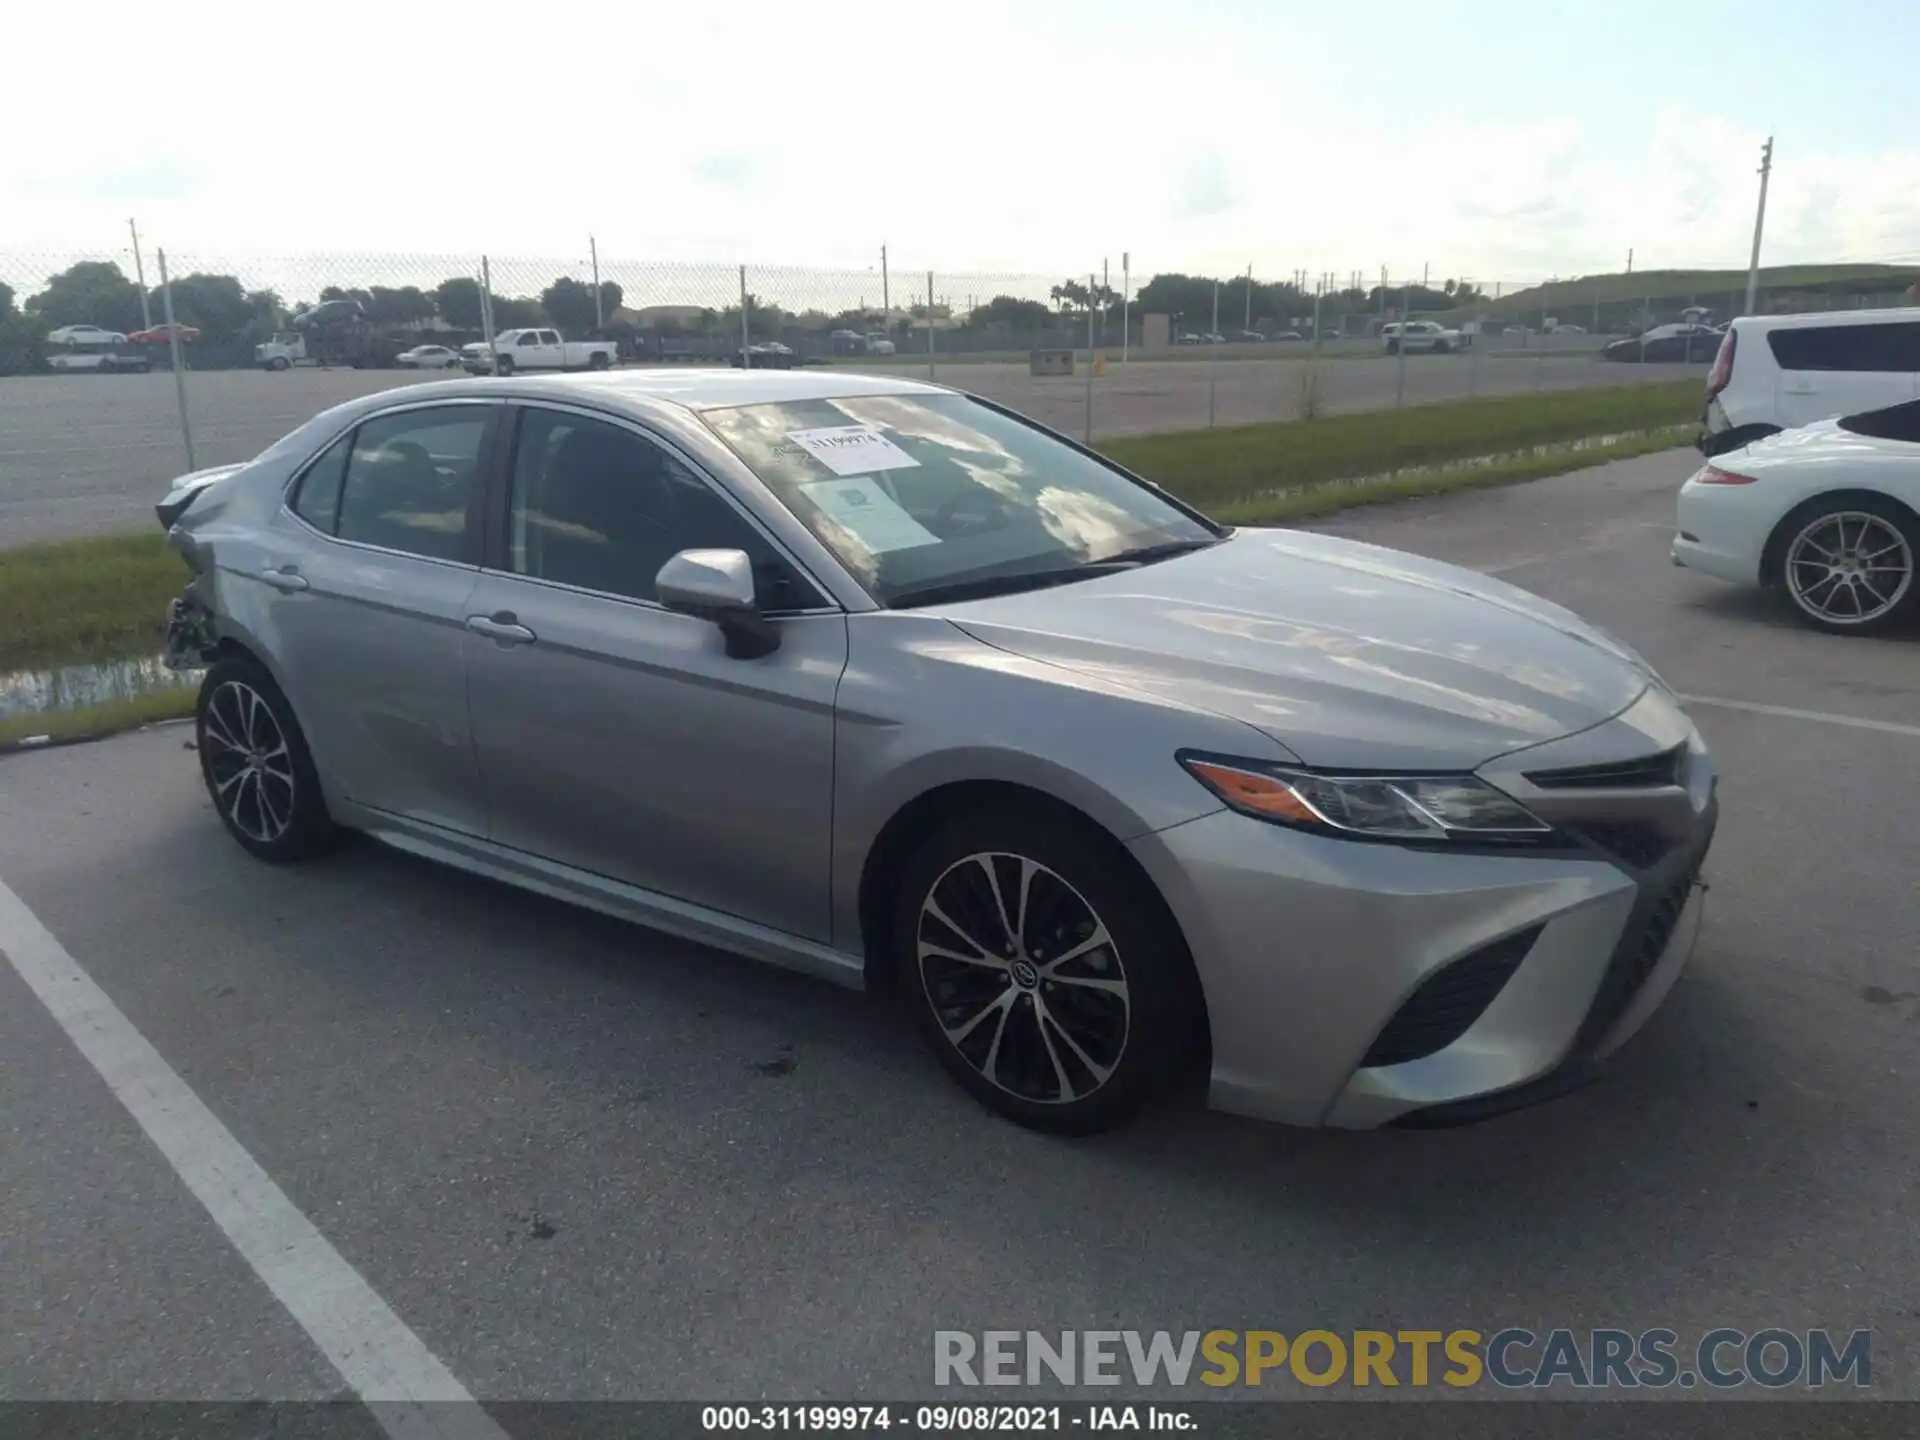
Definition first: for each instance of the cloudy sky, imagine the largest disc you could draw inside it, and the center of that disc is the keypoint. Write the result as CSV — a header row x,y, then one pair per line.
x,y
1497,139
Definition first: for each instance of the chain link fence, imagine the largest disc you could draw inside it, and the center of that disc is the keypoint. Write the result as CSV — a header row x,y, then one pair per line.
x,y
259,343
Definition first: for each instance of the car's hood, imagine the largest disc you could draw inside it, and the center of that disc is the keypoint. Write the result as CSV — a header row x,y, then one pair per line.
x,y
1350,655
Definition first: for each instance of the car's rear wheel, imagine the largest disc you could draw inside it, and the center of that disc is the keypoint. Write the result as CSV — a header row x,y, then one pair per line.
x,y
1441,347
258,770
1042,978
1848,563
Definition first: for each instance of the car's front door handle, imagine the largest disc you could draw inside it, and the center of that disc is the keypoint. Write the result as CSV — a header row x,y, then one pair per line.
x,y
502,626
287,579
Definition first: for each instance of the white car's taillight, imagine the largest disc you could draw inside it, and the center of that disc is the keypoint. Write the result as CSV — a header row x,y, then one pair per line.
x,y
1722,371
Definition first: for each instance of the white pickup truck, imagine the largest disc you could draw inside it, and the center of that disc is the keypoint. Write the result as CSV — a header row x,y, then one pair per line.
x,y
544,350
1420,335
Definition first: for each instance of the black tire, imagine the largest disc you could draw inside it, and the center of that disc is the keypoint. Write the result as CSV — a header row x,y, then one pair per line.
x,y
279,362
1441,347
503,365
1869,532
1071,1051
271,803
1393,347
597,361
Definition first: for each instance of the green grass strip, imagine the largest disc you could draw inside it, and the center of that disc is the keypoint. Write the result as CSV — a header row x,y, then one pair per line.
x,y
75,601
94,721
1211,468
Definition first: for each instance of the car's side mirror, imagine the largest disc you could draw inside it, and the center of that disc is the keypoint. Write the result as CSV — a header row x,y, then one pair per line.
x,y
717,586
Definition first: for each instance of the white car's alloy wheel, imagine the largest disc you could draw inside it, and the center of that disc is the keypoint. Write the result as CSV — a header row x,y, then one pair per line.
x,y
1849,568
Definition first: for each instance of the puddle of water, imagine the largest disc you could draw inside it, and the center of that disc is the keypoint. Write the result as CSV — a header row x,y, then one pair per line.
x,y
74,687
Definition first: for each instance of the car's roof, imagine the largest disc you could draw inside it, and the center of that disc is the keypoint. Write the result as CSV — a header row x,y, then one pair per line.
x,y
1827,317
715,389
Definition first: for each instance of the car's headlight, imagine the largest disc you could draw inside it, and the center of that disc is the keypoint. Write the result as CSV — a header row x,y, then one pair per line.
x,y
1384,807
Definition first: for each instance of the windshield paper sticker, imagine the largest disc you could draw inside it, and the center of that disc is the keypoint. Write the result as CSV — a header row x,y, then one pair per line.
x,y
874,517
852,449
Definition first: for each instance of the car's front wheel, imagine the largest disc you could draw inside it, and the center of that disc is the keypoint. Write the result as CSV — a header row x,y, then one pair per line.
x,y
258,770
1848,563
1042,978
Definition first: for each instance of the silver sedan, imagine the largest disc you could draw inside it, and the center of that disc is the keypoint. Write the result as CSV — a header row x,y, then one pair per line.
x,y
883,682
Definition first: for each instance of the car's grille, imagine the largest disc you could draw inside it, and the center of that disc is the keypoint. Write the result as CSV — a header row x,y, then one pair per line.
x,y
1647,773
1635,957
1638,843
1449,1001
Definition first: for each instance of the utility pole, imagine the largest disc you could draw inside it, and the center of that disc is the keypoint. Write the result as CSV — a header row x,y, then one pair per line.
x,y
1248,322
1759,222
599,317
1126,288
886,303
1629,260
140,274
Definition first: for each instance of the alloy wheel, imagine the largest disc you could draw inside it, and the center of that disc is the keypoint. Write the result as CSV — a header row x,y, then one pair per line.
x,y
1849,567
248,761
1023,977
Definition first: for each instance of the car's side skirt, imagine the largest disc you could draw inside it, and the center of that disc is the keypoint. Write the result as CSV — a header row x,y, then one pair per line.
x,y
610,897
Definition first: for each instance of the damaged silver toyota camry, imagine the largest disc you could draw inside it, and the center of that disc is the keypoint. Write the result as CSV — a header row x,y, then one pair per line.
x,y
883,682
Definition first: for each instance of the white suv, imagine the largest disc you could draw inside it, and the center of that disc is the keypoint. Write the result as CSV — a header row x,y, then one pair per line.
x,y
1776,372
1418,336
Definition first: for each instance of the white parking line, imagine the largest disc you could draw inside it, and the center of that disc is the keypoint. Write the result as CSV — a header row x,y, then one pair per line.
x,y
408,1390
1822,717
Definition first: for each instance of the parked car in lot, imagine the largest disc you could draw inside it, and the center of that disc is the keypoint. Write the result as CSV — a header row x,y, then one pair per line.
x,y
1286,335
1684,342
1828,513
533,349
428,357
765,355
835,671
1773,372
1420,337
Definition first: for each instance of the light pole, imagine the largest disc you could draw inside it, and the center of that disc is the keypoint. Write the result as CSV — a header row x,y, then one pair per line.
x,y
1759,222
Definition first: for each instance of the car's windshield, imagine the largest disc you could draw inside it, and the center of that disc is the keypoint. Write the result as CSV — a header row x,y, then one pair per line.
x,y
916,493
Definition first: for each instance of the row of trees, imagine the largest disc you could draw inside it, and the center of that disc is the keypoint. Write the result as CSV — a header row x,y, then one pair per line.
x,y
95,292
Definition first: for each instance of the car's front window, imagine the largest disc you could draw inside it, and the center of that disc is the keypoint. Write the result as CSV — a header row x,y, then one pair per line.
x,y
924,495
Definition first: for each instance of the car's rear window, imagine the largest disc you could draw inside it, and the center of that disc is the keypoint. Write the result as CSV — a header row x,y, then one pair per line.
x,y
1896,422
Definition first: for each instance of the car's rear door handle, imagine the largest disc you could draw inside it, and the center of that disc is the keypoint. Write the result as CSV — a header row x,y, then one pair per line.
x,y
286,578
503,626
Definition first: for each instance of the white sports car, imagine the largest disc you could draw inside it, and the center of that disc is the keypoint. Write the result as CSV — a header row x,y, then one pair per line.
x,y
1829,513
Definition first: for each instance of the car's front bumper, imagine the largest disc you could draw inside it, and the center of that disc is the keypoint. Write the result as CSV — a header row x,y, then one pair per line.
x,y
1309,948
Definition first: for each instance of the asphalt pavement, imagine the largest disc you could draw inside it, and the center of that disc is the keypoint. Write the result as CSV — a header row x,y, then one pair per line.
x,y
89,454
576,1160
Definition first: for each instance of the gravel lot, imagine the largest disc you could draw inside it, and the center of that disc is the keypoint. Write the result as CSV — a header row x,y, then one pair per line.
x,y
87,454
581,1161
